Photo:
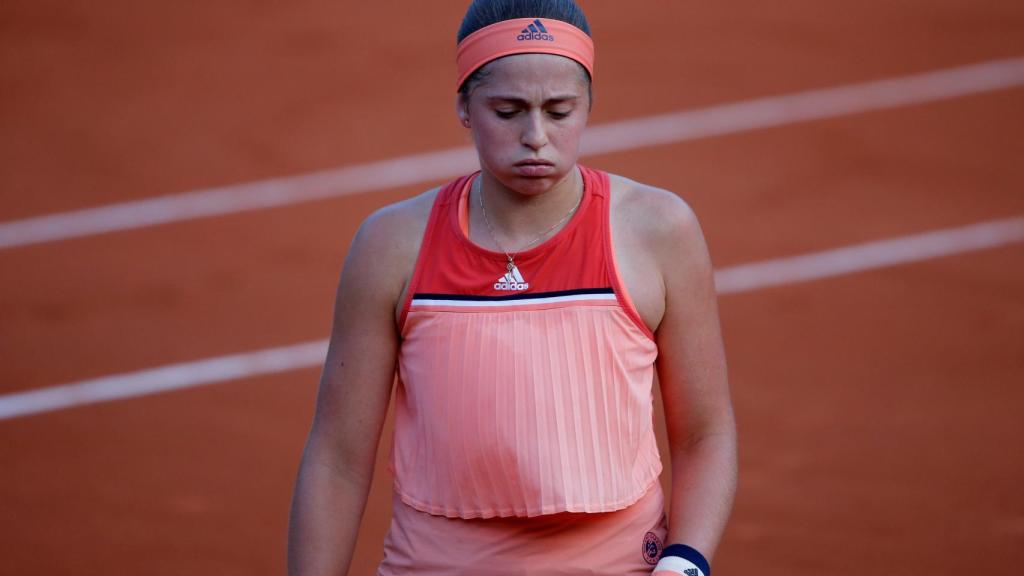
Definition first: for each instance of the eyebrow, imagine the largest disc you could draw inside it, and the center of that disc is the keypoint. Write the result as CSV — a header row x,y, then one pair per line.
x,y
523,102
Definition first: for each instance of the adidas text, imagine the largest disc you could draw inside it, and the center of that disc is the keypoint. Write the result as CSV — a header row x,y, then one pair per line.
x,y
502,285
536,36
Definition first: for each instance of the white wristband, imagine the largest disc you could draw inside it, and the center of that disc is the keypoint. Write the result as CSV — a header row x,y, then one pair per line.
x,y
679,566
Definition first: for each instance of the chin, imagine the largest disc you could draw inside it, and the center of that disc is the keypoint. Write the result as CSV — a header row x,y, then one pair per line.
x,y
530,186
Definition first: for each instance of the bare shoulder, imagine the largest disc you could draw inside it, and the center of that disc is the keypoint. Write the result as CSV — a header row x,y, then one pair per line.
x,y
383,252
660,219
659,247
395,226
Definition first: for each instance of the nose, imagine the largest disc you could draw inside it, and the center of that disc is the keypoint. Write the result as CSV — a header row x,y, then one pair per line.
x,y
534,134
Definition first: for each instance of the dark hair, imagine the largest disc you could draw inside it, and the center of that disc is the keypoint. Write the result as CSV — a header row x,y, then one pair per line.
x,y
482,13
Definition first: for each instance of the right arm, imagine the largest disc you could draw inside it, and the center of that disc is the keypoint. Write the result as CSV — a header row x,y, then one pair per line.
x,y
337,464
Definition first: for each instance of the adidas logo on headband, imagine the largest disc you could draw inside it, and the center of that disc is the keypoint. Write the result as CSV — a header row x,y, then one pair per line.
x,y
535,31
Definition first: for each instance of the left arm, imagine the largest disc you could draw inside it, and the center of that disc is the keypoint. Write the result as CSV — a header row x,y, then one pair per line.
x,y
694,384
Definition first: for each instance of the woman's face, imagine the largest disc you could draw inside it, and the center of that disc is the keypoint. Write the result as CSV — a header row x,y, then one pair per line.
x,y
527,116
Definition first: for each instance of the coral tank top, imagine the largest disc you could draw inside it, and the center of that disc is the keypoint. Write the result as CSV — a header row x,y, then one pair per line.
x,y
522,392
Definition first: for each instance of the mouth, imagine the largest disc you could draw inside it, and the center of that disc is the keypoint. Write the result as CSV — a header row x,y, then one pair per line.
x,y
535,168
534,162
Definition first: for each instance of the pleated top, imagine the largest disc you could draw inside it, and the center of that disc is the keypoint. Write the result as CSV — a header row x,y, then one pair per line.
x,y
522,392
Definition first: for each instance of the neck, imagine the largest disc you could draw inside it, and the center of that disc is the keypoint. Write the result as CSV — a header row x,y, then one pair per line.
x,y
518,218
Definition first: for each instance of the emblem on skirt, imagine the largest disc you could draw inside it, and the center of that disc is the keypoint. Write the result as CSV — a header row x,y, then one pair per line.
x,y
652,548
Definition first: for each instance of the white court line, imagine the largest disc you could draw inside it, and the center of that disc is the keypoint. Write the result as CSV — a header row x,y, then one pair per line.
x,y
163,379
870,255
602,139
731,280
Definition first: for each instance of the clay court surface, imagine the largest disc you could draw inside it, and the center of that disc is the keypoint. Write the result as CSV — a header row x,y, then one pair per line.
x,y
880,411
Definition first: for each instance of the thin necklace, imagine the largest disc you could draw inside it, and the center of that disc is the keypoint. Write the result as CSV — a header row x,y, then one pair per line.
x,y
490,229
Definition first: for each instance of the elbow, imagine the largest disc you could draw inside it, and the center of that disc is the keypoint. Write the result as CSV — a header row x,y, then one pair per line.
x,y
718,428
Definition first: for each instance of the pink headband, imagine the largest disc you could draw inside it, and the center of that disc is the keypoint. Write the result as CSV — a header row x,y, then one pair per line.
x,y
521,36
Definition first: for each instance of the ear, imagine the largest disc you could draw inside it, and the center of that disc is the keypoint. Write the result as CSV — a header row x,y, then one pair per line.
x,y
462,109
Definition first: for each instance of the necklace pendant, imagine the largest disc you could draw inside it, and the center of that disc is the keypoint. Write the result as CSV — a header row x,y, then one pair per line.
x,y
511,265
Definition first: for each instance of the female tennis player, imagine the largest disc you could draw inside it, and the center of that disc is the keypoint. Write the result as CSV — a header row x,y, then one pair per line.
x,y
525,309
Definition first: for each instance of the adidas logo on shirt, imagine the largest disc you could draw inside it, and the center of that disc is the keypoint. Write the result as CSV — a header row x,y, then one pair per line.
x,y
535,31
512,281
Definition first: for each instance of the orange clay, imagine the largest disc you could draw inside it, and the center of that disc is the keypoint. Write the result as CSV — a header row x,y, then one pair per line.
x,y
523,36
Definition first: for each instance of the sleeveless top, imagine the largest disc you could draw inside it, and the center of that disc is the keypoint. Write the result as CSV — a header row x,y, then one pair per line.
x,y
522,392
